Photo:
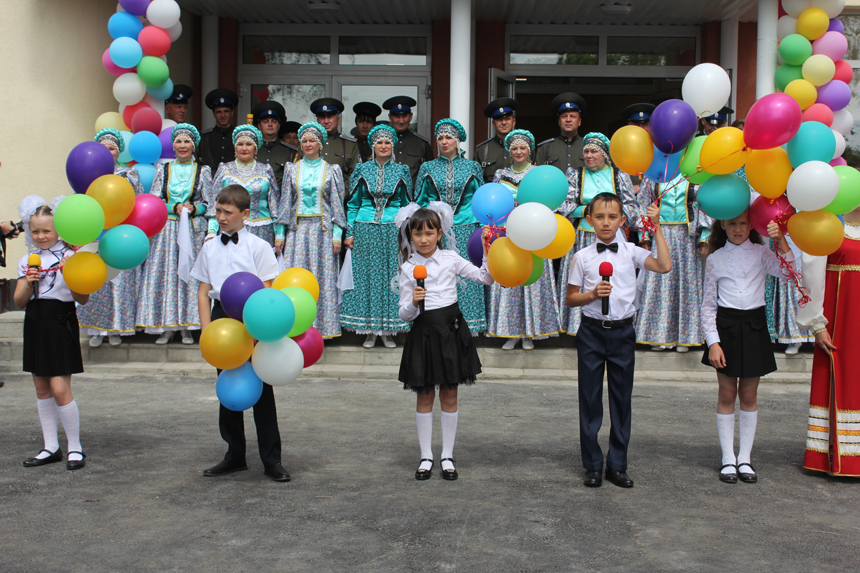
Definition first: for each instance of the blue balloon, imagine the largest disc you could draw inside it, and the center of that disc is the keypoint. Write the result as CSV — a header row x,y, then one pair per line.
x,y
162,92
664,167
145,147
240,388
124,247
814,141
492,203
125,52
269,315
146,171
125,155
724,197
673,125
124,25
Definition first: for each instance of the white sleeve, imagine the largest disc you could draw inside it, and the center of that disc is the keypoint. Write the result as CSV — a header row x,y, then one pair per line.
x,y
576,275
709,304
811,316
639,256
475,274
772,265
266,263
407,311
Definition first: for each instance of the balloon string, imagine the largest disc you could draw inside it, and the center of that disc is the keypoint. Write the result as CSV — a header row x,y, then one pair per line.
x,y
794,277
496,230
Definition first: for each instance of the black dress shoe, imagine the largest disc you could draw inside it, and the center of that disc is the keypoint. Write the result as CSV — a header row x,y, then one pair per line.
x,y
52,459
621,479
593,478
277,473
729,477
76,464
224,468
747,477
420,474
451,474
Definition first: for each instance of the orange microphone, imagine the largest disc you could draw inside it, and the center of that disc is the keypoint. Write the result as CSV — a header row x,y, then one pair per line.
x,y
34,261
420,273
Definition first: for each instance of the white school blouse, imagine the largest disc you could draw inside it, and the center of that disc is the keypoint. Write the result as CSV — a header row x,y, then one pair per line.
x,y
218,261
52,284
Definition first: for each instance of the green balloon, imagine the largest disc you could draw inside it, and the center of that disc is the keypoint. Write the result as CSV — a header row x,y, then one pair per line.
x,y
689,165
79,219
153,71
848,197
794,49
306,309
785,74
537,271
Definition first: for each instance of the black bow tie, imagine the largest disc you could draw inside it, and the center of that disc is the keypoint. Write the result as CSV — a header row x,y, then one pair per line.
x,y
225,238
600,246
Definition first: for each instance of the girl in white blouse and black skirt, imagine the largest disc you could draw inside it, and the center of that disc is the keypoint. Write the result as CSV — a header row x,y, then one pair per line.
x,y
735,325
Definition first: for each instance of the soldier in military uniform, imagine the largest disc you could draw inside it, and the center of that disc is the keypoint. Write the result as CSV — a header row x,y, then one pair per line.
x,y
491,154
339,149
290,133
216,144
638,114
268,118
564,151
411,149
711,123
365,119
176,106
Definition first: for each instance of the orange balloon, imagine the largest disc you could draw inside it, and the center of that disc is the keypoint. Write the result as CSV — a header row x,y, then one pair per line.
x,y
803,92
226,344
298,277
85,273
724,151
631,149
817,233
768,170
563,241
116,196
508,264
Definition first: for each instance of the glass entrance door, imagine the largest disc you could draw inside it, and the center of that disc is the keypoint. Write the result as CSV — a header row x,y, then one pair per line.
x,y
353,89
295,93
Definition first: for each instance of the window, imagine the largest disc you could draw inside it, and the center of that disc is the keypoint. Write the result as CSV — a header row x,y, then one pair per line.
x,y
382,51
554,50
286,50
650,51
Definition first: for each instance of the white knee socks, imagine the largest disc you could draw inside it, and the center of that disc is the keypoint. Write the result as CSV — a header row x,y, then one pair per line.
x,y
72,425
449,434
726,429
48,418
425,437
747,426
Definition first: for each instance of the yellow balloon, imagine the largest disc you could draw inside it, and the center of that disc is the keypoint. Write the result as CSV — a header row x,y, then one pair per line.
x,y
768,170
226,344
116,196
817,233
111,119
509,265
563,241
85,273
812,23
298,277
631,149
803,92
818,69
724,151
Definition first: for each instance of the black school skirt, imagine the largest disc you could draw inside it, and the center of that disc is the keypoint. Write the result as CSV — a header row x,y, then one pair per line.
x,y
745,341
439,351
52,342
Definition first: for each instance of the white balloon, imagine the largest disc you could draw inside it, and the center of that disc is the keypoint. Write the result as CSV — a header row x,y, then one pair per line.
x,y
832,7
128,89
812,186
112,273
156,104
796,7
175,31
278,363
531,226
90,248
165,123
706,88
786,26
163,13
840,144
843,121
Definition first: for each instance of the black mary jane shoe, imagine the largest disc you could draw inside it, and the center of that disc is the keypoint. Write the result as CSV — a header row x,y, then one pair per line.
x,y
745,476
729,478
593,478
449,475
76,464
420,474
51,459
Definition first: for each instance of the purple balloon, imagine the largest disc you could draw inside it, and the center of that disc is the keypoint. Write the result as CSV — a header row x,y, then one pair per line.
x,y
475,249
835,94
836,25
87,162
136,7
236,290
166,144
673,125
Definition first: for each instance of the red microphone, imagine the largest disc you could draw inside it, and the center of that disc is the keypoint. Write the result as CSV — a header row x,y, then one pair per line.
x,y
420,273
605,271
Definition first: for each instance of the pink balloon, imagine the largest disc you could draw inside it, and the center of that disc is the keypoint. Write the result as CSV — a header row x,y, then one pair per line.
x,y
764,210
832,44
820,113
772,121
311,343
838,161
166,143
149,214
844,72
154,41
111,67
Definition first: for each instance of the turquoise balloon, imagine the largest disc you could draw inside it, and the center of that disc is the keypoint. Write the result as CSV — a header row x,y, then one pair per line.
x,y
268,315
125,52
724,197
814,141
125,154
162,92
124,247
544,184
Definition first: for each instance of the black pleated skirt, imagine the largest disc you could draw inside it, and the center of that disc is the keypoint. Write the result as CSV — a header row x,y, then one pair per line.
x,y
52,342
745,341
439,351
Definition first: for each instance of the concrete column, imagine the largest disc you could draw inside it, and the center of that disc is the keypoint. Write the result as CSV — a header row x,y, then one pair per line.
x,y
729,56
462,54
209,66
768,14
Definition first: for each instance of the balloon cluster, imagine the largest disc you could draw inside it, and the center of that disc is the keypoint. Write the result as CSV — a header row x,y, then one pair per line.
x,y
281,320
142,32
531,231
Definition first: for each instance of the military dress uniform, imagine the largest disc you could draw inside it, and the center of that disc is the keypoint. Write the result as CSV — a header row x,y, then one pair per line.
x,y
274,153
181,95
411,149
560,151
491,154
216,144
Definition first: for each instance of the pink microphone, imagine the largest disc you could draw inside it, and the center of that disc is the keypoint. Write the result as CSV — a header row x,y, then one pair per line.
x,y
605,271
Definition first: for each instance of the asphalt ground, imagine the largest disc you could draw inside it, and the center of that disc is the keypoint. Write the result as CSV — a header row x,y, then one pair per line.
x,y
142,503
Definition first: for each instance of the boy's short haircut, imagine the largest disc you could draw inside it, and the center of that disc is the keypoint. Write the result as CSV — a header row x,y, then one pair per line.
x,y
235,195
605,198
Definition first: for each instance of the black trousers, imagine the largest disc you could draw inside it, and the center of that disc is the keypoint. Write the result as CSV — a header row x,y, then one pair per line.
x,y
232,424
612,349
